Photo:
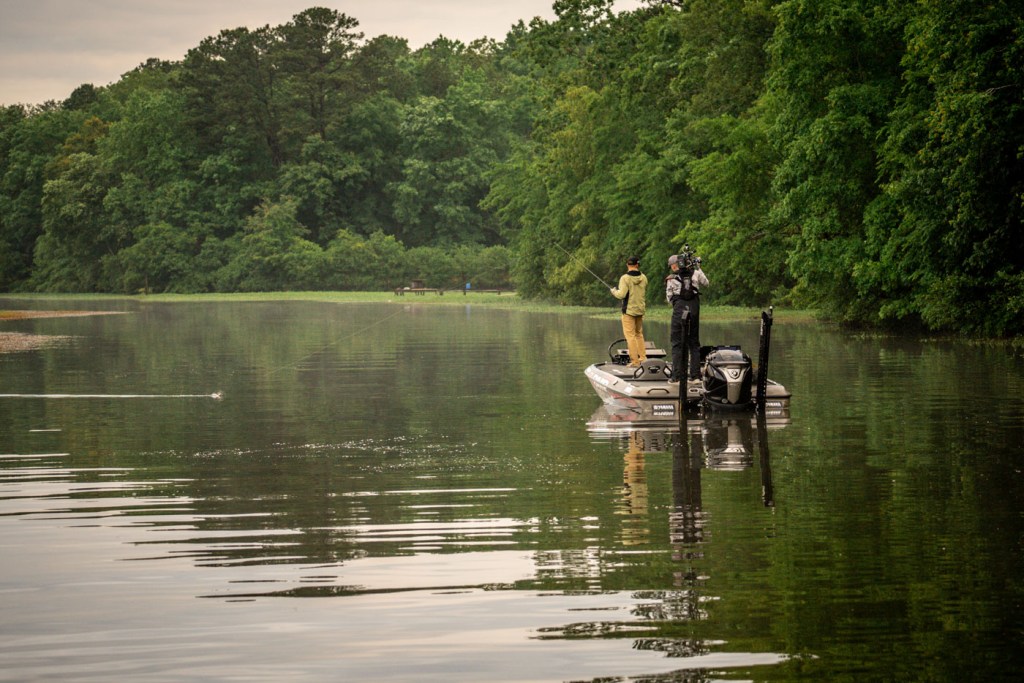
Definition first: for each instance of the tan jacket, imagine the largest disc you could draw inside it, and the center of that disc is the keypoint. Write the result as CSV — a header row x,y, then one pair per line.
x,y
632,290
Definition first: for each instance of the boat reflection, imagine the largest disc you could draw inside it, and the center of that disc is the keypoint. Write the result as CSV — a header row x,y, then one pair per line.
x,y
715,441
719,442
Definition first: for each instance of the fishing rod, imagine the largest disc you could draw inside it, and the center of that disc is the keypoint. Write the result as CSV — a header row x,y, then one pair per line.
x,y
567,253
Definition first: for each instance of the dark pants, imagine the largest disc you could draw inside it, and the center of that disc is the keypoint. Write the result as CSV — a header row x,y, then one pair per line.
x,y
685,334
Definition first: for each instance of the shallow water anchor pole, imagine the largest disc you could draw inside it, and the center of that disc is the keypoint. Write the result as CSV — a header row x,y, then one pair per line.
x,y
762,357
767,490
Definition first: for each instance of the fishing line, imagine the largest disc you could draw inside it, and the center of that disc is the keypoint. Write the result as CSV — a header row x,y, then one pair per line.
x,y
214,395
351,336
217,395
335,342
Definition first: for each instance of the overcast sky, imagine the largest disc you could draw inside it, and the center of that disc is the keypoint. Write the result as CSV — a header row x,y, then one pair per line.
x,y
50,47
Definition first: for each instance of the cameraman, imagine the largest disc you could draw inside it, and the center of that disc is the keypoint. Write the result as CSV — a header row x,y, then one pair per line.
x,y
682,289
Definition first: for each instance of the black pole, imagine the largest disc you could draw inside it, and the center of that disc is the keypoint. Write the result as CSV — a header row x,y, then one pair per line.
x,y
767,490
686,520
762,357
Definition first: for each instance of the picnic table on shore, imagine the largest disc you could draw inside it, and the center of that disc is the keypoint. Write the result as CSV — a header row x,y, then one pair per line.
x,y
402,291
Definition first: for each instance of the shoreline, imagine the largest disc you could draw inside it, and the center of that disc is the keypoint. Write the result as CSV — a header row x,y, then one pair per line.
x,y
508,300
15,342
657,312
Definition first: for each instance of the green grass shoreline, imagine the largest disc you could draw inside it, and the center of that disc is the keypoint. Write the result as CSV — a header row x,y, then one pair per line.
x,y
509,300
656,312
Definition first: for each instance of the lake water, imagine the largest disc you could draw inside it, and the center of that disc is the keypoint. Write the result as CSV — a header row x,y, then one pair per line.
x,y
417,493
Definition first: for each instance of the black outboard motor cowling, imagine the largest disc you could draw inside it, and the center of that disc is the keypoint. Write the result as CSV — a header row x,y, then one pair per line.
x,y
728,378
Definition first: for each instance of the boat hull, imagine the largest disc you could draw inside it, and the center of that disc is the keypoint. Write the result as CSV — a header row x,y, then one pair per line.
x,y
618,386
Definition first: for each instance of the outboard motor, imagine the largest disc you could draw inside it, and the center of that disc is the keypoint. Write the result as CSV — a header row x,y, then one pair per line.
x,y
728,378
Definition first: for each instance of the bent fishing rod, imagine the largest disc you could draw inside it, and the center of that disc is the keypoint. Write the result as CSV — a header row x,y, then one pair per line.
x,y
570,255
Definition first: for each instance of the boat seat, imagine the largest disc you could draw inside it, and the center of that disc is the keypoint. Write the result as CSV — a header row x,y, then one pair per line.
x,y
650,349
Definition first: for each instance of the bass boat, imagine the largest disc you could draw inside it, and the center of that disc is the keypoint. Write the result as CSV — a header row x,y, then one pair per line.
x,y
728,380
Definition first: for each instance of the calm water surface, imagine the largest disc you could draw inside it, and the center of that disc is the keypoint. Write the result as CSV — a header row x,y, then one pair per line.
x,y
403,493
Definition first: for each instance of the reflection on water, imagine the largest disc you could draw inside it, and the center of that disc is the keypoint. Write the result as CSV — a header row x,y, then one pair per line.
x,y
156,520
454,505
722,441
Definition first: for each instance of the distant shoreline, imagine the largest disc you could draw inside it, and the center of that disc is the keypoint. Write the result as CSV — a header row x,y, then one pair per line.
x,y
44,313
11,342
656,312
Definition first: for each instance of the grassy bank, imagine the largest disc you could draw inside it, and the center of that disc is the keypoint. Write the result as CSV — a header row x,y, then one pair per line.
x,y
656,311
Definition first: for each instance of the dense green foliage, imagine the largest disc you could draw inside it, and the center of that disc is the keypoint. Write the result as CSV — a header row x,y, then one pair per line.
x,y
863,157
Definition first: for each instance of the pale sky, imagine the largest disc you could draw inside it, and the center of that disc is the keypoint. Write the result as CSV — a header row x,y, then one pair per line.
x,y
50,47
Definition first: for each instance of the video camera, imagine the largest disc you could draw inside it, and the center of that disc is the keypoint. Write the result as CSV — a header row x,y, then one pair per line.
x,y
688,259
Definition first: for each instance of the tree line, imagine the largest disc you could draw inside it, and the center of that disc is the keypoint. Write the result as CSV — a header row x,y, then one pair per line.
x,y
862,157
